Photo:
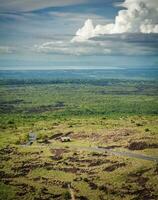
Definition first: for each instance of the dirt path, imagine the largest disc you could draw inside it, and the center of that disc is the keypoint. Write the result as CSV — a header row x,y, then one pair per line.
x,y
123,153
103,150
71,193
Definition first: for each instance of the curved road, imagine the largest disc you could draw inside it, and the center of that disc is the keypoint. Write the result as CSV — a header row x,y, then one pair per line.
x,y
117,153
105,150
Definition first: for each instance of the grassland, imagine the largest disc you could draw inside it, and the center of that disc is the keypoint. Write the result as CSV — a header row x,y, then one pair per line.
x,y
116,114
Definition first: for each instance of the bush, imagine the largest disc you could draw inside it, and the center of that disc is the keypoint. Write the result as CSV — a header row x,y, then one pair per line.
x,y
11,122
22,139
94,153
67,195
42,136
139,124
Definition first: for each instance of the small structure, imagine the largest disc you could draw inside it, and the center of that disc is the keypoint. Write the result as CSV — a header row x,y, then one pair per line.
x,y
65,139
32,138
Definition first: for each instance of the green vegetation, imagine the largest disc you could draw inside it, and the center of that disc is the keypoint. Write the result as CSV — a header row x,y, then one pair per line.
x,y
117,114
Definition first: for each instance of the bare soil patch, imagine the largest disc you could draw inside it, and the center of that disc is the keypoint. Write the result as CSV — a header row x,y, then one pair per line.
x,y
141,145
113,167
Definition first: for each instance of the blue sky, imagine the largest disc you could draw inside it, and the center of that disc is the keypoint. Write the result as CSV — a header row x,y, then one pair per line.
x,y
54,34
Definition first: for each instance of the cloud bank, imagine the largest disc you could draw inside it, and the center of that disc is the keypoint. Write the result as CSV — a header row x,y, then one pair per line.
x,y
138,16
112,44
30,5
34,5
67,48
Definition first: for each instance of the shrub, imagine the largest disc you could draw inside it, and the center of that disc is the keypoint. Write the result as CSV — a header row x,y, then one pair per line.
x,y
23,138
67,195
42,136
139,124
11,122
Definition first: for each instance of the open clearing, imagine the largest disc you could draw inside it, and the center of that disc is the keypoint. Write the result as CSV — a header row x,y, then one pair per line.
x,y
118,115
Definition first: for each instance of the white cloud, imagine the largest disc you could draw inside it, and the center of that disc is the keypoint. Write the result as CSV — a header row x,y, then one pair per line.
x,y
112,44
84,33
6,50
68,48
139,16
30,5
129,3
78,17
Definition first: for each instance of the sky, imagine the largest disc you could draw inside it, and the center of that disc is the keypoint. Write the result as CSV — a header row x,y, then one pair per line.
x,y
74,34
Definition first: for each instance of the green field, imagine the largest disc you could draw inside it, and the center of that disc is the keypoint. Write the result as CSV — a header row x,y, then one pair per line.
x,y
117,114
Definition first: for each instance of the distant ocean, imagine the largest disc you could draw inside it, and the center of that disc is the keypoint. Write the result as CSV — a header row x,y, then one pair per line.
x,y
119,73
